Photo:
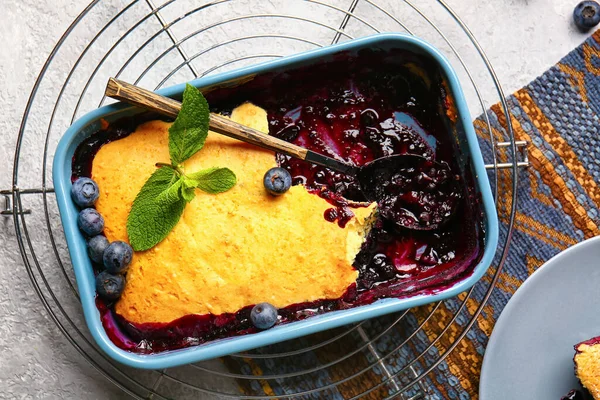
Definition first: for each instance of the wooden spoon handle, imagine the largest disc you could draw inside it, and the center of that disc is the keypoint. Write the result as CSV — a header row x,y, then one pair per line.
x,y
149,100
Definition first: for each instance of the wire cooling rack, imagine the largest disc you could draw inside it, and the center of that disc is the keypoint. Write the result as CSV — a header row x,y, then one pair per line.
x,y
156,44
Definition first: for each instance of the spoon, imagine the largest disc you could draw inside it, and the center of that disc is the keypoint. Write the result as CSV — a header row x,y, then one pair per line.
x,y
407,188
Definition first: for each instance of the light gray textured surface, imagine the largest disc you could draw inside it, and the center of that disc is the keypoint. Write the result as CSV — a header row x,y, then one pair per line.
x,y
521,37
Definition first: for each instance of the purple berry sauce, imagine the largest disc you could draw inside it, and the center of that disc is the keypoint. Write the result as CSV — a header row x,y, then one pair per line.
x,y
355,107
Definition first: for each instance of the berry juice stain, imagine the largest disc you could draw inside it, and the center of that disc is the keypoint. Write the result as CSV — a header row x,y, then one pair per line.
x,y
388,103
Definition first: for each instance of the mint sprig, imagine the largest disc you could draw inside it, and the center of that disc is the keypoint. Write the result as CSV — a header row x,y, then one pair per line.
x,y
160,203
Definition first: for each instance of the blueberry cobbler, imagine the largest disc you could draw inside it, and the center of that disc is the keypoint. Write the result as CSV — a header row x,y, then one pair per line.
x,y
290,239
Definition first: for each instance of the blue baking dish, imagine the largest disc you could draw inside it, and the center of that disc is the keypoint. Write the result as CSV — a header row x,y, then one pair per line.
x,y
90,123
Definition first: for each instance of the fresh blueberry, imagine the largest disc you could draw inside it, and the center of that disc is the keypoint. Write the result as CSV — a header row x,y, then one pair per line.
x,y
117,257
96,247
90,222
109,286
277,181
84,192
263,315
586,15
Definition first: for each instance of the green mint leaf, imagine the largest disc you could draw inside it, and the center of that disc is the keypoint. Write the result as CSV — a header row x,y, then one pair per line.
x,y
188,190
154,214
213,180
188,133
172,194
188,194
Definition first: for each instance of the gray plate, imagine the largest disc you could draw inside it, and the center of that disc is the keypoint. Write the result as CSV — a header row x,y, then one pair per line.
x,y
530,353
